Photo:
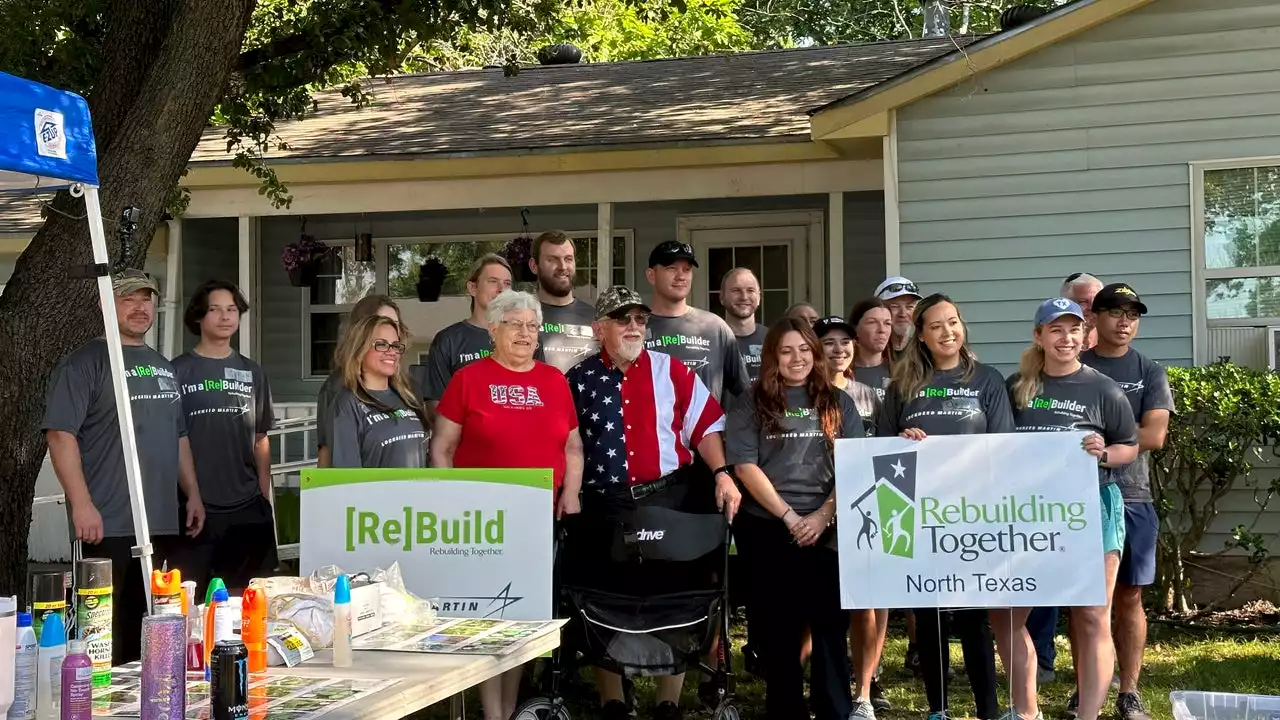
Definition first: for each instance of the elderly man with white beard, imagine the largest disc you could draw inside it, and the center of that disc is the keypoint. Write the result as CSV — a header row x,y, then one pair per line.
x,y
642,416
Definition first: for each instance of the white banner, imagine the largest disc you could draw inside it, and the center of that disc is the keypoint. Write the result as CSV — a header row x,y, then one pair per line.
x,y
969,521
476,542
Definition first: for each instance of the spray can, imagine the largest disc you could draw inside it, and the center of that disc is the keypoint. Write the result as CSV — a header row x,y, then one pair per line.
x,y
253,626
164,687
229,681
94,614
24,665
166,591
77,683
48,595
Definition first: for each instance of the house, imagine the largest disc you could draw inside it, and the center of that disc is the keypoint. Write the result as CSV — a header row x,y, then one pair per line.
x,y
1134,139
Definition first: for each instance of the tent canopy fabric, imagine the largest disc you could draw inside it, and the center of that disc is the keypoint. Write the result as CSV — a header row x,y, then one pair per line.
x,y
47,139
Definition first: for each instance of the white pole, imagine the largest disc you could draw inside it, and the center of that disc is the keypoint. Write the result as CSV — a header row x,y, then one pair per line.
x,y
245,246
172,290
604,247
132,471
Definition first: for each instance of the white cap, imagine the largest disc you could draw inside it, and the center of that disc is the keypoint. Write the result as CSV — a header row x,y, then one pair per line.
x,y
896,286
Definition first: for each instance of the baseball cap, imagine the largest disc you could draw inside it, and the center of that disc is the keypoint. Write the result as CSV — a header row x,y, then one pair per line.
x,y
1117,295
127,282
896,286
671,251
834,322
1055,308
617,299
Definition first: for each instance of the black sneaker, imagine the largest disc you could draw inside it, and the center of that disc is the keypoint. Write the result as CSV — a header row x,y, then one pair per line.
x,y
667,710
1129,707
1073,705
911,662
615,710
878,700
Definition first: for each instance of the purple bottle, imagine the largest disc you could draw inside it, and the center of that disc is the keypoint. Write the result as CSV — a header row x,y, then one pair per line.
x,y
77,683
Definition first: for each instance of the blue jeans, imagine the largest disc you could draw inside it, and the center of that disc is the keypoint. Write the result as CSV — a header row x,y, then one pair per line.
x,y
1042,624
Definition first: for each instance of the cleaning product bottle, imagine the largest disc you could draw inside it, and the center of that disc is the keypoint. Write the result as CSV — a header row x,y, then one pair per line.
x,y
77,683
195,640
8,650
24,680
166,591
53,648
218,624
342,622
214,584
253,626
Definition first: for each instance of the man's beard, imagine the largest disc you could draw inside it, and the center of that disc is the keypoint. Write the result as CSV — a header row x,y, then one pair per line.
x,y
740,313
555,286
628,350
902,334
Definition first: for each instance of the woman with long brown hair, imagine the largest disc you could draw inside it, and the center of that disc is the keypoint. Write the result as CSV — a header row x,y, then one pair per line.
x,y
376,420
940,388
781,439
368,306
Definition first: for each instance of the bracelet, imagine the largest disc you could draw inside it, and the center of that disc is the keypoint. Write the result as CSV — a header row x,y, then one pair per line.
x,y
727,469
783,516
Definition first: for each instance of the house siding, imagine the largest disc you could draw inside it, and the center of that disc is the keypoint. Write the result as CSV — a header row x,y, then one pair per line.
x,y
1076,158
210,251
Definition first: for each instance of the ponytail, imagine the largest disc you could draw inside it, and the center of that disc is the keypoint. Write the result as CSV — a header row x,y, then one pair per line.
x,y
1030,367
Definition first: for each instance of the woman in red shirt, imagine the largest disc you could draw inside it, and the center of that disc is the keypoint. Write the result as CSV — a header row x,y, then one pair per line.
x,y
511,411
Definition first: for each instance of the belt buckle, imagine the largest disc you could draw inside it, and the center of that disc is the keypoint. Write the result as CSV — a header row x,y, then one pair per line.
x,y
634,490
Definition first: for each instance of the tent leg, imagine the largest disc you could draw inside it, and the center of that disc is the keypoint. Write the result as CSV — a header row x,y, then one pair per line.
x,y
133,472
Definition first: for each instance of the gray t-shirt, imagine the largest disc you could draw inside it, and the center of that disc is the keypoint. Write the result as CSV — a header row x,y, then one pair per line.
x,y
365,436
1084,400
1146,385
948,405
454,348
227,404
567,338
875,377
870,408
750,347
81,401
798,461
324,407
706,345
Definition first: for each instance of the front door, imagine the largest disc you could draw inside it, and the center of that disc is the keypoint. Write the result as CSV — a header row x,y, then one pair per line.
x,y
777,255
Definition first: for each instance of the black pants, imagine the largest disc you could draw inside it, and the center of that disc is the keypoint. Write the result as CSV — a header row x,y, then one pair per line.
x,y
129,600
236,545
933,630
792,587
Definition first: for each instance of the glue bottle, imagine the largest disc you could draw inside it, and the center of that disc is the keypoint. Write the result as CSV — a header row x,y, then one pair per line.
x,y
166,591
25,663
342,622
53,648
253,626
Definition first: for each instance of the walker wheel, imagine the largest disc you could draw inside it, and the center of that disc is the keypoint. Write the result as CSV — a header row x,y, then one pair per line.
x,y
727,711
545,708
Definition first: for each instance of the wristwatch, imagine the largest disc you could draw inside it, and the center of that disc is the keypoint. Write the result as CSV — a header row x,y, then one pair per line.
x,y
1102,459
726,469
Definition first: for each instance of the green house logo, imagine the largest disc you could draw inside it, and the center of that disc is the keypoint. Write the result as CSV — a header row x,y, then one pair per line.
x,y
893,514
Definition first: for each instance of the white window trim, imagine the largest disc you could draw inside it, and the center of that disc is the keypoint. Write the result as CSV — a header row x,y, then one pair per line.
x,y
815,250
1201,274
380,245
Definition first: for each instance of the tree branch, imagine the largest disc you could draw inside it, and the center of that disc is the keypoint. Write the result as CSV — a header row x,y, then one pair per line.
x,y
290,45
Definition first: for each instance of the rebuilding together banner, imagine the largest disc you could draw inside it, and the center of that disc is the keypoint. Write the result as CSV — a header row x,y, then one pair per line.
x,y
1009,520
477,543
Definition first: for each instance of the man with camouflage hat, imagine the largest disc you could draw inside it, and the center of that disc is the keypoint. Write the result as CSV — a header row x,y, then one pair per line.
x,y
642,416
83,433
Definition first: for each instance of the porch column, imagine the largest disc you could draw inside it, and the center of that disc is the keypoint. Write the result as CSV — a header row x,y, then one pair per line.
x,y
246,249
892,250
604,246
172,290
835,252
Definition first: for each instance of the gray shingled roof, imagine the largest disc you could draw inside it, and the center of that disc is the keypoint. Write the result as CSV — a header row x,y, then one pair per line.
x,y
696,100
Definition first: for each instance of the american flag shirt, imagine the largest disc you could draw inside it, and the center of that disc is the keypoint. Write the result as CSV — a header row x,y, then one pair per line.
x,y
641,424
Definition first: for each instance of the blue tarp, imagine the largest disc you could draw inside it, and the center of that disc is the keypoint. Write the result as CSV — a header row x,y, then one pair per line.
x,y
46,133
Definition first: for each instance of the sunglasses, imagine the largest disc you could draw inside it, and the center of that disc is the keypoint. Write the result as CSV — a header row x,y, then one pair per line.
x,y
901,287
386,346
640,319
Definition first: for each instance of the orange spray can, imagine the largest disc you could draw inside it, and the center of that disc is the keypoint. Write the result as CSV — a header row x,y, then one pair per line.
x,y
253,626
166,591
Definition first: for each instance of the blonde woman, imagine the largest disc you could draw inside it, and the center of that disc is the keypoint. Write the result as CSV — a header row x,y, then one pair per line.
x,y
1087,400
922,401
368,306
376,420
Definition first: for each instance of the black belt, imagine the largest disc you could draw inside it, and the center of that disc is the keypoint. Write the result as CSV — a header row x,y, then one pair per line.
x,y
657,486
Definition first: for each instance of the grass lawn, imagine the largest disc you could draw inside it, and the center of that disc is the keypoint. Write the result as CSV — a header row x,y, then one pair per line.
x,y
1175,660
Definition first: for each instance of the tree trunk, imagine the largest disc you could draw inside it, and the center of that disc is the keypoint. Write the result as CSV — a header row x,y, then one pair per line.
x,y
153,115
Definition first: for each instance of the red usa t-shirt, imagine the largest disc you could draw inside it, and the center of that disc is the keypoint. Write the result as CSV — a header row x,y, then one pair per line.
x,y
510,419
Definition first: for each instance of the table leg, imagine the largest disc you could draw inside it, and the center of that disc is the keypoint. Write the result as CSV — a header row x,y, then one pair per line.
x,y
457,709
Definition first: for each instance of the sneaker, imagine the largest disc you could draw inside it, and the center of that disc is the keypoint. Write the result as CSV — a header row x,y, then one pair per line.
x,y
938,716
615,710
878,700
862,710
911,662
1044,676
1129,707
1012,714
667,710
1073,705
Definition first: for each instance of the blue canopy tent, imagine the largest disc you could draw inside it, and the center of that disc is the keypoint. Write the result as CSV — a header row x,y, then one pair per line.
x,y
46,142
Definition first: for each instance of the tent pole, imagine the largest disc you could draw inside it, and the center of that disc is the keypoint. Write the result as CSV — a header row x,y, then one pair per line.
x,y
133,472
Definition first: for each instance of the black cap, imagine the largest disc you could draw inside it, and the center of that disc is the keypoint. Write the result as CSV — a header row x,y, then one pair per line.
x,y
1117,295
835,322
671,251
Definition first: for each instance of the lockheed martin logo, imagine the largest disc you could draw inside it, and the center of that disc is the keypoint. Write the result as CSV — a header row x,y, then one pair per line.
x,y
894,489
489,605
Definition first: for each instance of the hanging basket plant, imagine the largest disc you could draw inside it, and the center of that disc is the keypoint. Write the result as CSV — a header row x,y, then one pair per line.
x,y
517,252
300,260
431,278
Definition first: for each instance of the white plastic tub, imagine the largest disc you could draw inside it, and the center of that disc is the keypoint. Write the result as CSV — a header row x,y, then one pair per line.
x,y
1197,705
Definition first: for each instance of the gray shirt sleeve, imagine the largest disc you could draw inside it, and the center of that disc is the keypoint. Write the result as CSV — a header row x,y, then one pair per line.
x,y
265,414
995,402
891,414
850,417
324,412
1158,396
344,438
437,371
1117,417
742,433
735,368
72,389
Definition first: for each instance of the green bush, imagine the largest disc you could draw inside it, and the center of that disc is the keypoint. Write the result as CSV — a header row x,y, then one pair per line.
x,y
1225,418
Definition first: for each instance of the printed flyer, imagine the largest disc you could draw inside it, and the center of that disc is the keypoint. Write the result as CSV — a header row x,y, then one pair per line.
x,y
459,636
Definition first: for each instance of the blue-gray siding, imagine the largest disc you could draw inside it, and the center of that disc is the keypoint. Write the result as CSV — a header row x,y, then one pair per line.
x,y
1076,159
209,252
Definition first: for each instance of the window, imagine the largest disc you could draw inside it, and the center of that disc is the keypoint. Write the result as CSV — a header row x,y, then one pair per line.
x,y
1242,243
340,282
584,250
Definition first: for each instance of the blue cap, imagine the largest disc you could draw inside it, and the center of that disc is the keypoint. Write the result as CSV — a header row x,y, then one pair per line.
x,y
24,619
342,591
1051,310
220,595
53,634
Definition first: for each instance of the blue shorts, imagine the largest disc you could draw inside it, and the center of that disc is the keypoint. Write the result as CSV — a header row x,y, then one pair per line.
x,y
1142,531
1113,529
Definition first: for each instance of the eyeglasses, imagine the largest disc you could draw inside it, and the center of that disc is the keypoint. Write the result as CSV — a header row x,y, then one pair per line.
x,y
901,287
386,346
1118,313
517,325
640,319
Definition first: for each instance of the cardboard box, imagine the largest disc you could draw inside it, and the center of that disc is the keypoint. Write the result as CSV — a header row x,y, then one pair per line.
x,y
366,608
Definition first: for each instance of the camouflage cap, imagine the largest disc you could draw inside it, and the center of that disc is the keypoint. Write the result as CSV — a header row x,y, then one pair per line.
x,y
128,282
617,298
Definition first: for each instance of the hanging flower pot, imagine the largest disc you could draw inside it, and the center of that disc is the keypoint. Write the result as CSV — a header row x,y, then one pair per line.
x,y
431,279
303,275
301,258
517,253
